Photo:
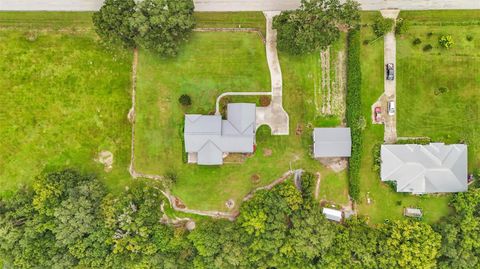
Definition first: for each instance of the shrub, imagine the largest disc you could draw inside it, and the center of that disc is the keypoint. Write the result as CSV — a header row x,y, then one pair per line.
x,y
417,41
353,112
427,47
469,38
429,34
401,26
265,100
446,41
382,25
366,42
440,90
185,100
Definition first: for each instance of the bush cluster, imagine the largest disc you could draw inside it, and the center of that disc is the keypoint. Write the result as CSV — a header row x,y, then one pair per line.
x,y
354,108
417,41
427,47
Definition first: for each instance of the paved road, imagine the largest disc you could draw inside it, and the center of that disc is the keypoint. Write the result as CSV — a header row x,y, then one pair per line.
x,y
242,5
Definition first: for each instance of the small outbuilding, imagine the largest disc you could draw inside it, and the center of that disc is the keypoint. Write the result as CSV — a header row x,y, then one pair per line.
x,y
332,214
332,142
412,212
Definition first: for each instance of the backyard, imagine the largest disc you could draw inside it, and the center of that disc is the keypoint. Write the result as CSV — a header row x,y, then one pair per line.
x,y
206,67
64,98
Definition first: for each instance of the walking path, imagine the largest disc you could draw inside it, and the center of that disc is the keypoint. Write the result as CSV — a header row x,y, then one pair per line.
x,y
389,54
242,5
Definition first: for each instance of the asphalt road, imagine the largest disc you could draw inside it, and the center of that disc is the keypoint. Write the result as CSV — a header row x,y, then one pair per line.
x,y
241,5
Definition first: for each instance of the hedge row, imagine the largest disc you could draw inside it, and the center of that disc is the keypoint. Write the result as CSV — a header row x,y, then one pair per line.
x,y
354,111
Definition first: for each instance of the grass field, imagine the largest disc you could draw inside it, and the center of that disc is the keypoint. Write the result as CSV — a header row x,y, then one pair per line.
x,y
207,67
63,98
451,117
386,203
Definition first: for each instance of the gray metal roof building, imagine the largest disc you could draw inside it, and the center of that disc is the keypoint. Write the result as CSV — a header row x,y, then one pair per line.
x,y
209,138
332,214
422,169
332,142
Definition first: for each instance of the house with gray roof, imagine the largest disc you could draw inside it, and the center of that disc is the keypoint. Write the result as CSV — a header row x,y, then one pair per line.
x,y
419,169
332,142
209,138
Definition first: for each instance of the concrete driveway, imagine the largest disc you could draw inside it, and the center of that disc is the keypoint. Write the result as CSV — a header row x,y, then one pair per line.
x,y
242,5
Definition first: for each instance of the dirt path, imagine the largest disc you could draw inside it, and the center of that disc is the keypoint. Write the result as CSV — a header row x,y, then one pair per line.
x,y
326,82
317,185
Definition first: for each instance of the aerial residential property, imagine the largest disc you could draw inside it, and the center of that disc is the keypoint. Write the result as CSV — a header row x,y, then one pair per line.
x,y
240,134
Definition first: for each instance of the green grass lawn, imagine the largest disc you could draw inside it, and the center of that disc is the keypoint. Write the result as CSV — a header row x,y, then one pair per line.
x,y
386,203
451,117
210,64
63,98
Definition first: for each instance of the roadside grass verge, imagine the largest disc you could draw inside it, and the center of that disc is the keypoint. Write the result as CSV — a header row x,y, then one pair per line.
x,y
207,67
230,20
63,99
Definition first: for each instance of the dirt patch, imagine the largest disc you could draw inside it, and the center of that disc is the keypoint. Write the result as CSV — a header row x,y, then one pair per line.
x,y
230,203
299,129
336,164
179,203
267,152
106,158
255,179
190,225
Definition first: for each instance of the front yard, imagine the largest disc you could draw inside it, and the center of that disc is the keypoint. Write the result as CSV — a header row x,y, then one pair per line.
x,y
450,117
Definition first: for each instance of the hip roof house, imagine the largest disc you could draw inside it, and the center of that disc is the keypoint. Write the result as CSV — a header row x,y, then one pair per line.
x,y
208,138
332,142
422,169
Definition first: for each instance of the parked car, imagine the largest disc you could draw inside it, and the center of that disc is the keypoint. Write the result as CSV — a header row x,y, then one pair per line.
x,y
391,108
378,114
390,71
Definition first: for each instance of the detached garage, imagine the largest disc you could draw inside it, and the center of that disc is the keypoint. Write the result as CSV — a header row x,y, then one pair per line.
x,y
332,142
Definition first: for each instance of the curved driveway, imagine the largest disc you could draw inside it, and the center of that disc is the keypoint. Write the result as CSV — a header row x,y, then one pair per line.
x,y
242,5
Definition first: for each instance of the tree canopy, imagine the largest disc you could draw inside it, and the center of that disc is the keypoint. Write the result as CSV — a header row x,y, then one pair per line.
x,y
315,25
158,25
67,219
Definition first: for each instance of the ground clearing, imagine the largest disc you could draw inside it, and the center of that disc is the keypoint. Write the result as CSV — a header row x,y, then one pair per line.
x,y
386,204
63,99
207,67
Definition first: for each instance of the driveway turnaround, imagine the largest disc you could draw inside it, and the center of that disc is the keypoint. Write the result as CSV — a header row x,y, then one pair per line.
x,y
273,115
389,54
242,5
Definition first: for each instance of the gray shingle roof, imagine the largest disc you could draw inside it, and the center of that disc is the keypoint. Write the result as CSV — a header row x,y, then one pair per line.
x,y
425,168
332,142
210,136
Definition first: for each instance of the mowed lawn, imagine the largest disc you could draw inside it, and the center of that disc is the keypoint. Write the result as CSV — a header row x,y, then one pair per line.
x,y
451,117
210,64
63,98
386,204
